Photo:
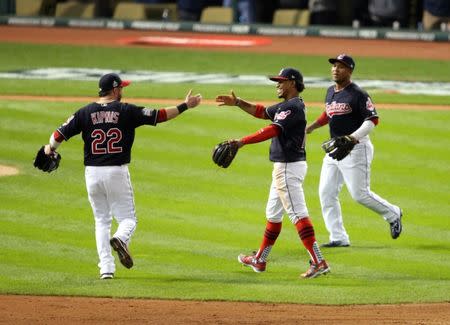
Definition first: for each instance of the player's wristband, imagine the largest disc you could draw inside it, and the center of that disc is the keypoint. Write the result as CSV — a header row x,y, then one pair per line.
x,y
238,101
182,107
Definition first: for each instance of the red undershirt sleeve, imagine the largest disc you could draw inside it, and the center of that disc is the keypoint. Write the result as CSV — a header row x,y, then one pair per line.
x,y
374,120
162,115
323,119
263,134
58,136
260,111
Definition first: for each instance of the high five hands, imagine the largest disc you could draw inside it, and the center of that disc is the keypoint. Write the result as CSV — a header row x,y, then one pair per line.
x,y
192,101
228,100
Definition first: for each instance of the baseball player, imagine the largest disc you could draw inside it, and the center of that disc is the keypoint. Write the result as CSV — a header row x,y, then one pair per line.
x,y
108,128
349,111
287,152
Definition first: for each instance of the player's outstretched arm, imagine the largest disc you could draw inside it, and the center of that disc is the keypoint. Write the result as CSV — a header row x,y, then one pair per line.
x,y
321,121
311,127
233,100
227,100
190,101
261,135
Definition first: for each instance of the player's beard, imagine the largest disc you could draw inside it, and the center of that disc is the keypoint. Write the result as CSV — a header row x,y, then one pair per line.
x,y
119,97
280,93
337,79
341,80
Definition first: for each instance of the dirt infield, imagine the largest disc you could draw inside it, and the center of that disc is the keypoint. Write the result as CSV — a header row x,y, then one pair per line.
x,y
77,310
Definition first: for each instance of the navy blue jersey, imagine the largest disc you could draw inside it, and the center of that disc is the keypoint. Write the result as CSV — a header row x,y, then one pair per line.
x,y
347,109
107,131
289,145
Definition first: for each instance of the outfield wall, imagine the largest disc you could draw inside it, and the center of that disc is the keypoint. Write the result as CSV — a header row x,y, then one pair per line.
x,y
239,29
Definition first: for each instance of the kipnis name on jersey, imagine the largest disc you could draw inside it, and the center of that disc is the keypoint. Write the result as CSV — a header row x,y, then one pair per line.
x,y
105,117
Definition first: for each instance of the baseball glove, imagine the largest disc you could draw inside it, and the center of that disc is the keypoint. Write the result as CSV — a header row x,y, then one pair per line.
x,y
339,147
47,163
224,153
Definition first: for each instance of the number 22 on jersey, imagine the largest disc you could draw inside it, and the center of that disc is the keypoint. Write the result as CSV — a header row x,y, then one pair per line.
x,y
106,142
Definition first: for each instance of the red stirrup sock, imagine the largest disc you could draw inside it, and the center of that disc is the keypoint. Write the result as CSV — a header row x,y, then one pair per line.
x,y
270,236
305,231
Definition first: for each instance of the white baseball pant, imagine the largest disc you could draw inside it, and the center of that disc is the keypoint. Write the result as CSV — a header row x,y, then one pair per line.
x,y
286,192
354,171
111,195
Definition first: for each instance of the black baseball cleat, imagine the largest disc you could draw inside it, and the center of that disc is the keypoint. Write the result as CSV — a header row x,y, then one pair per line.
x,y
396,226
336,243
124,255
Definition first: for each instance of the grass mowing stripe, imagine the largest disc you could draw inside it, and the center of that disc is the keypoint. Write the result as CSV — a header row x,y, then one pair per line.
x,y
152,90
20,56
19,251
44,220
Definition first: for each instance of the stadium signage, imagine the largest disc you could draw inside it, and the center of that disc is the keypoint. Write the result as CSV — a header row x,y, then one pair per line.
x,y
324,31
281,31
368,33
338,33
410,36
154,25
88,23
211,28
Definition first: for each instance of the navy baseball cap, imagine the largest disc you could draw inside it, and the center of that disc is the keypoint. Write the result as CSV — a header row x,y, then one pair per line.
x,y
288,74
344,59
110,81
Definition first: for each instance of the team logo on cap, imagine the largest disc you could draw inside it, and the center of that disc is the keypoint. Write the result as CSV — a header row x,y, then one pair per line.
x,y
115,84
345,58
281,73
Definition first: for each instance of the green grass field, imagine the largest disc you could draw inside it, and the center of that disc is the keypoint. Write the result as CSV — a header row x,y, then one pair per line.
x,y
194,219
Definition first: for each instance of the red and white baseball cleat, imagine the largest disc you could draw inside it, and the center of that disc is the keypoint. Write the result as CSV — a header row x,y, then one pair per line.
x,y
315,270
250,260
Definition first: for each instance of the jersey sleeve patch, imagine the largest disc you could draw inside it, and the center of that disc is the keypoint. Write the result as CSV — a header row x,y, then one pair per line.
x,y
369,105
370,111
69,128
282,115
144,115
148,111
